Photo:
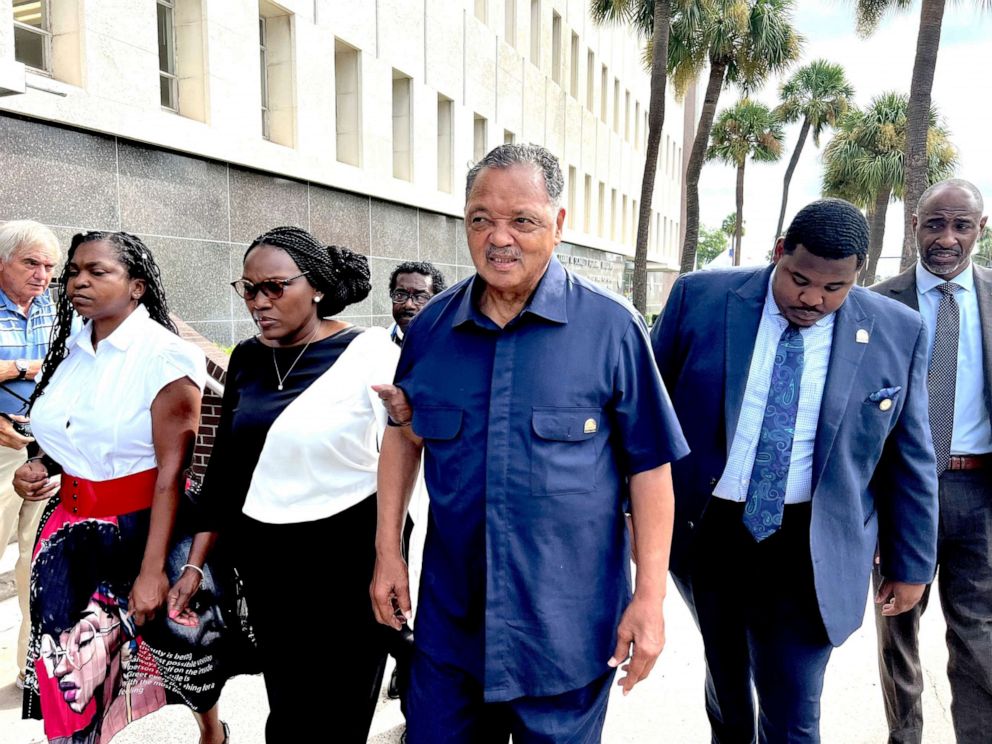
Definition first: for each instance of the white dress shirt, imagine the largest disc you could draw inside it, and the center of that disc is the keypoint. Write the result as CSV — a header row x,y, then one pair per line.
x,y
817,340
95,416
972,431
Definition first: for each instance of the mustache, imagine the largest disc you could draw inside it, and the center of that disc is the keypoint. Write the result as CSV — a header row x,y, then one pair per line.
x,y
503,252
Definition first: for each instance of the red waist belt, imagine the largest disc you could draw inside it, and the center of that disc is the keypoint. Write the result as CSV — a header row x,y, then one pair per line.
x,y
86,498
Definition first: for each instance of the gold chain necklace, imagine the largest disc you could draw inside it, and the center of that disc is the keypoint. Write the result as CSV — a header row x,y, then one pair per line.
x,y
282,378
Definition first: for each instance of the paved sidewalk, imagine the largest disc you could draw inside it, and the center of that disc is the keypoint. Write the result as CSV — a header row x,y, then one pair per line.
x,y
668,707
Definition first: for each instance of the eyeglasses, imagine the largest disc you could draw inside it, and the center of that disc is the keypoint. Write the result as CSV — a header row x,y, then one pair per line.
x,y
78,649
401,296
271,288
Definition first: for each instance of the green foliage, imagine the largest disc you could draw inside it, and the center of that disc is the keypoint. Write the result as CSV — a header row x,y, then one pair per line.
x,y
753,38
865,156
817,92
711,244
729,224
869,13
747,129
983,251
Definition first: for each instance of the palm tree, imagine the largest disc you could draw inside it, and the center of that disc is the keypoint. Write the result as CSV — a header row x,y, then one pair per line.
x,y
653,19
916,153
864,163
742,41
817,93
746,130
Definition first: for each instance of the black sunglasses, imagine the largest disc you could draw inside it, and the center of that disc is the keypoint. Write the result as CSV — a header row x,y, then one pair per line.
x,y
271,288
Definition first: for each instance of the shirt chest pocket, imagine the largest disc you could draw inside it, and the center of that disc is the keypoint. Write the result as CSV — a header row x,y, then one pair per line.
x,y
564,449
440,429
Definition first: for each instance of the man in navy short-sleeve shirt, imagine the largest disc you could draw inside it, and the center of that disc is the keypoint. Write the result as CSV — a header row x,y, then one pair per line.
x,y
542,417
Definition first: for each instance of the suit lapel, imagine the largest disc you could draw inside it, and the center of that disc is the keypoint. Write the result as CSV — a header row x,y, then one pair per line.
x,y
845,358
744,308
983,291
903,288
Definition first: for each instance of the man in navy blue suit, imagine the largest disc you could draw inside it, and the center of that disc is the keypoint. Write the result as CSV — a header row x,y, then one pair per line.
x,y
803,399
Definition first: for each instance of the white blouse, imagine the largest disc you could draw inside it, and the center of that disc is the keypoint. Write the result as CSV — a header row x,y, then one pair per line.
x,y
94,417
321,453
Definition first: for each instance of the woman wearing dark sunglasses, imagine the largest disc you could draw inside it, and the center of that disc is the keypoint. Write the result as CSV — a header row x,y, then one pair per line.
x,y
292,482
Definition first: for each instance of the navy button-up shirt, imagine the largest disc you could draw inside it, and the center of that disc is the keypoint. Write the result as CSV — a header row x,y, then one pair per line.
x,y
530,433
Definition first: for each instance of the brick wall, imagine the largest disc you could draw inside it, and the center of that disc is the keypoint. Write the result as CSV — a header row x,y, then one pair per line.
x,y
210,409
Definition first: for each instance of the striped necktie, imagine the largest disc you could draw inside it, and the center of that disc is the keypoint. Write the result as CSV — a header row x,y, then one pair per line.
x,y
942,373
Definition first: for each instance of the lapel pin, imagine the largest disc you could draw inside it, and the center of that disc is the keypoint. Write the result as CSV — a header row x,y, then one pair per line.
x,y
885,404
862,336
589,427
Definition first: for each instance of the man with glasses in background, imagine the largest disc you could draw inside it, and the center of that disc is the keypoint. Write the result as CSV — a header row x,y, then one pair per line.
x,y
411,286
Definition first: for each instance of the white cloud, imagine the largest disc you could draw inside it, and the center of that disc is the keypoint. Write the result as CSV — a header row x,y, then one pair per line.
x,y
875,65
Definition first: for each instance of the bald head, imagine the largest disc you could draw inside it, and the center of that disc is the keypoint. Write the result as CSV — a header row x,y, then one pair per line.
x,y
948,223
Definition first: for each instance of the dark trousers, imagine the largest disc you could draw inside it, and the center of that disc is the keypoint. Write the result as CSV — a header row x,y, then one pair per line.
x,y
446,706
964,583
765,645
322,653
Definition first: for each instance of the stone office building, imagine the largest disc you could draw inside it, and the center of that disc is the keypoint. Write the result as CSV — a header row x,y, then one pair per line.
x,y
199,124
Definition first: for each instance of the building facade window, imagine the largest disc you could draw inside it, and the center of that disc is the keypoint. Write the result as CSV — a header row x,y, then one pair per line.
x,y
590,82
572,201
480,137
168,81
626,115
510,22
573,67
33,34
535,32
482,10
279,73
263,77
604,97
556,48
348,103
402,126
616,105
587,205
637,124
445,143
509,138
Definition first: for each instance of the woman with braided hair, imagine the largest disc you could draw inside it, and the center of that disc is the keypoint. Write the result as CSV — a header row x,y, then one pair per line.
x,y
292,481
116,414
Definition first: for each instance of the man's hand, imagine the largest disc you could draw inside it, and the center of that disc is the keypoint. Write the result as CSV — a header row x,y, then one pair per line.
x,y
31,482
643,625
396,403
896,597
147,595
390,590
9,437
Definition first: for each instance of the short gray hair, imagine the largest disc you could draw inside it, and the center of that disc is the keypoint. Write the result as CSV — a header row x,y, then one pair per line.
x,y
506,156
25,234
959,183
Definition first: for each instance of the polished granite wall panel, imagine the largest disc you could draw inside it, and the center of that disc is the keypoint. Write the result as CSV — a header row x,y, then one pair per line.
x,y
260,202
394,231
340,218
163,193
194,273
57,176
438,237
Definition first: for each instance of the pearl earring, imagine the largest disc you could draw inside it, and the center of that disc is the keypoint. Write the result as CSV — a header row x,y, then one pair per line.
x,y
318,298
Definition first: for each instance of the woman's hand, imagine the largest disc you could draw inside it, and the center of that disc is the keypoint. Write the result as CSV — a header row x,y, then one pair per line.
x,y
148,595
180,595
31,482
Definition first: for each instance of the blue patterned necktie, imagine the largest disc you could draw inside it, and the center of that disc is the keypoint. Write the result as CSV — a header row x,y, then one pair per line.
x,y
766,490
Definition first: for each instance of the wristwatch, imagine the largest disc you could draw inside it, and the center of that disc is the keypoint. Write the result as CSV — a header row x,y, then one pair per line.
x,y
22,368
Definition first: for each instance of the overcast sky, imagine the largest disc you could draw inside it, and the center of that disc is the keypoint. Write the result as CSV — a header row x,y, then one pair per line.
x,y
881,63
